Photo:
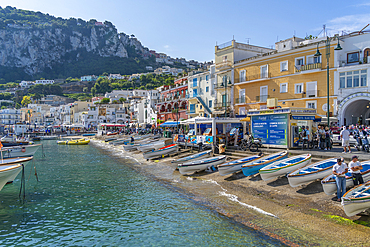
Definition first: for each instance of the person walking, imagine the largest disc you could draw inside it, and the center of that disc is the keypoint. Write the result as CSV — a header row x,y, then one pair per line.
x,y
344,136
355,168
321,136
327,138
305,135
339,170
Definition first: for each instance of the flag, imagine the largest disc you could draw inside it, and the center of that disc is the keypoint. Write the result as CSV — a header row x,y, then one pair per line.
x,y
1,145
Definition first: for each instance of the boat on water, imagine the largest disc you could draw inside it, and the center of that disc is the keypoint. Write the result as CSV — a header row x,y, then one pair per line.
x,y
357,199
89,134
45,138
13,161
330,187
161,152
253,167
151,146
20,151
200,165
311,172
74,142
285,166
12,140
7,172
198,156
236,165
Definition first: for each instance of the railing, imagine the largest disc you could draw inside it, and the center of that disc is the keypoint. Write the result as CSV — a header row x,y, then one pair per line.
x,y
222,105
218,86
262,98
300,68
240,100
224,45
224,65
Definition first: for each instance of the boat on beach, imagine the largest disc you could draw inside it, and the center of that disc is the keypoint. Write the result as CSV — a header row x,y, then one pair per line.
x,y
311,172
252,168
198,156
7,172
357,199
236,165
161,152
200,165
330,187
285,166
151,146
20,151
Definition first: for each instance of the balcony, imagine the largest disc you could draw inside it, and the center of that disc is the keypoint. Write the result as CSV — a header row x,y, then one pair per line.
x,y
262,98
241,100
222,105
224,65
301,68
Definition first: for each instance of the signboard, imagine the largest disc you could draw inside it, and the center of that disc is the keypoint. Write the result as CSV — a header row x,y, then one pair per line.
x,y
179,138
303,117
272,129
198,139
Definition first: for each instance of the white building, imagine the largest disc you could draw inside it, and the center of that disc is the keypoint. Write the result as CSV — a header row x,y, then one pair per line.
x,y
88,78
10,116
44,82
26,84
116,76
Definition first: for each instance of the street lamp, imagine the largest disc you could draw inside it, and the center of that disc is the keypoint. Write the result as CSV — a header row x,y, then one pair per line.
x,y
317,54
224,84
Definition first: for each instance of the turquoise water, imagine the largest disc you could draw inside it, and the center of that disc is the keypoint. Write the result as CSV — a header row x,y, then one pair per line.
x,y
88,198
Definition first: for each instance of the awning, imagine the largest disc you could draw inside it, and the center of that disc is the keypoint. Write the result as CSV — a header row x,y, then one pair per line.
x,y
218,112
325,119
169,124
247,119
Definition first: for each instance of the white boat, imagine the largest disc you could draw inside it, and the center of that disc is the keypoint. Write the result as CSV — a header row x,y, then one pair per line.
x,y
49,138
253,167
198,156
132,146
20,151
311,172
7,172
285,166
357,199
235,165
330,187
200,165
161,152
12,161
151,146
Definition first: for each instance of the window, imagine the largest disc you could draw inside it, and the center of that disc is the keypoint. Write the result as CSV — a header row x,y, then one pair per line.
x,y
312,59
242,75
357,78
299,61
224,59
195,92
283,87
353,57
264,71
241,110
210,103
311,104
263,93
195,82
207,77
192,108
298,88
284,66
241,96
207,89
311,89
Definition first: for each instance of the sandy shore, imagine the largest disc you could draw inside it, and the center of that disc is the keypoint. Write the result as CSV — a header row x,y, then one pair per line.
x,y
297,216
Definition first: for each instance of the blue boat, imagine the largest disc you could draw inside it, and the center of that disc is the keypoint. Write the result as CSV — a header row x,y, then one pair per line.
x,y
89,134
235,165
253,167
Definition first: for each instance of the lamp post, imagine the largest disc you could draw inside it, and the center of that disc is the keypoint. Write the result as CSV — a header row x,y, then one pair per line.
x,y
225,84
318,54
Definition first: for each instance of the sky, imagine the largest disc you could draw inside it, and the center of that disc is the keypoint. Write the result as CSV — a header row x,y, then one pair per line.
x,y
192,28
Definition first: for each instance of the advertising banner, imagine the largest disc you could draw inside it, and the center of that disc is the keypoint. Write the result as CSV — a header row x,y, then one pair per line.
x,y
272,129
179,138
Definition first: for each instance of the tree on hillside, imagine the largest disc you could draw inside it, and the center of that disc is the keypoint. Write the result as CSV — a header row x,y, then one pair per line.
x,y
105,101
122,100
26,100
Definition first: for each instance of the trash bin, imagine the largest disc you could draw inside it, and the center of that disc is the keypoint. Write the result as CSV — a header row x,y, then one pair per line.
x,y
169,134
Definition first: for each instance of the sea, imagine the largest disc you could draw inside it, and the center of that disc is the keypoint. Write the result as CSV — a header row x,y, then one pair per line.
x,y
88,196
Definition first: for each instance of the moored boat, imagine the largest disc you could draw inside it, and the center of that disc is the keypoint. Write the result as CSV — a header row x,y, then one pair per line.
x,y
311,172
285,166
7,172
20,151
357,199
330,187
236,165
200,165
252,168
151,146
161,152
74,142
49,137
198,156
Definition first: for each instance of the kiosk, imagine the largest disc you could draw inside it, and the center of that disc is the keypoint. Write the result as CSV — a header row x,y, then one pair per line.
x,y
281,127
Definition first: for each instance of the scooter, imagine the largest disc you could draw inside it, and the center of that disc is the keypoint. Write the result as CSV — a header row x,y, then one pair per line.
x,y
362,143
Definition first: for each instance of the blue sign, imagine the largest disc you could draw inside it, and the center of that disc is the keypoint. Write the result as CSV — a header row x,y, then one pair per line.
x,y
272,129
303,117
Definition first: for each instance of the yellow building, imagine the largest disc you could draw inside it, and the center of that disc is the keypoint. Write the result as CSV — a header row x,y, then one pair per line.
x,y
290,75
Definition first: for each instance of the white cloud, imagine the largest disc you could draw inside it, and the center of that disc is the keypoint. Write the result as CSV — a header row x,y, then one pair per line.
x,y
166,47
348,23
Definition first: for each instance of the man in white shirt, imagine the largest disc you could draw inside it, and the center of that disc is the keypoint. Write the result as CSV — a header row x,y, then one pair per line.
x,y
355,168
339,170
344,136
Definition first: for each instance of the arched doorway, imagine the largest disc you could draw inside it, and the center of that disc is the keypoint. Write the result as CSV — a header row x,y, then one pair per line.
x,y
355,111
366,54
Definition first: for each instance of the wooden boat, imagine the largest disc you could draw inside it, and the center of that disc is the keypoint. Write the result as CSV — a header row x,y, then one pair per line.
x,y
89,134
200,165
15,160
161,152
311,172
74,142
7,172
252,168
132,146
235,165
110,139
48,138
285,166
330,187
357,199
112,133
12,140
151,146
20,151
198,156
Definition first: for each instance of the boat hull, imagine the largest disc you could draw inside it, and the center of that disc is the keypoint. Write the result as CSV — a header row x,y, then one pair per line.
x,y
235,166
200,165
198,156
268,174
160,152
9,172
354,205
23,151
253,167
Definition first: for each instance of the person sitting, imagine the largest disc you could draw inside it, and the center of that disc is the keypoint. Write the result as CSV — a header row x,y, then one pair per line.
x,y
355,168
339,170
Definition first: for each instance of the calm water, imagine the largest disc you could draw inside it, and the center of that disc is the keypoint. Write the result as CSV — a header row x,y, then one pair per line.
x,y
85,197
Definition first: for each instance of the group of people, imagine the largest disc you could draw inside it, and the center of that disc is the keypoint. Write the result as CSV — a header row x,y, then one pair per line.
x,y
323,135
359,133
340,169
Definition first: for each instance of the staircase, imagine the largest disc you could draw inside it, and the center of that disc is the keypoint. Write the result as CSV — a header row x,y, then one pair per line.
x,y
204,105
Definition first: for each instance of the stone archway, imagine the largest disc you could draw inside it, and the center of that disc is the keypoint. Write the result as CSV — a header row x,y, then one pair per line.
x,y
354,109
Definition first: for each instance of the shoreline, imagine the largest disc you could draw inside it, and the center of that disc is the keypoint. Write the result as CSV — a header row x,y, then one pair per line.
x,y
294,216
